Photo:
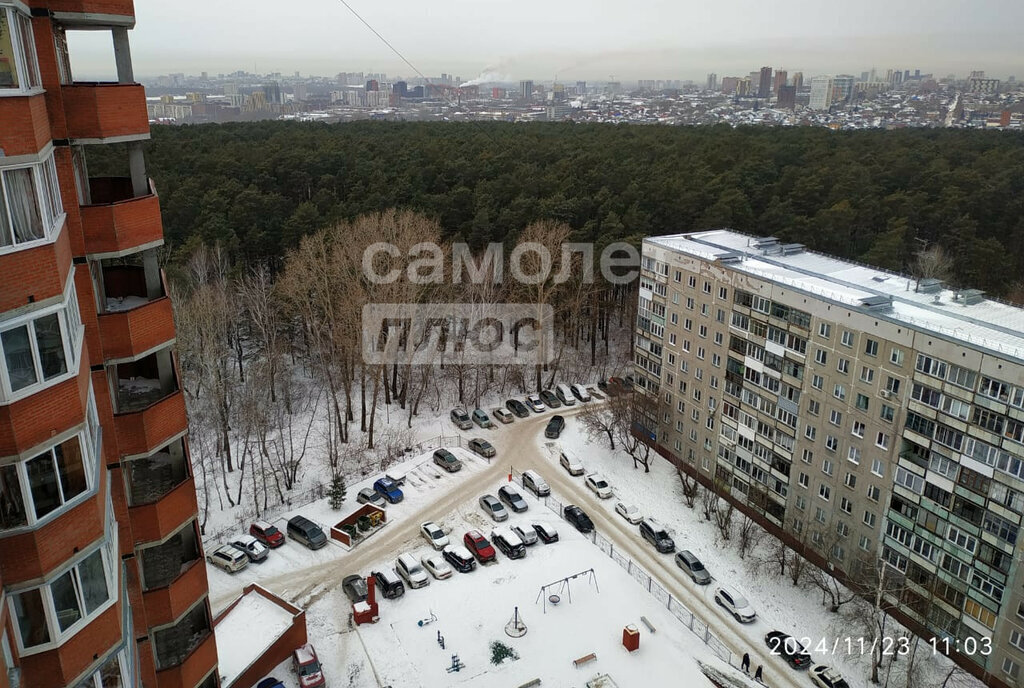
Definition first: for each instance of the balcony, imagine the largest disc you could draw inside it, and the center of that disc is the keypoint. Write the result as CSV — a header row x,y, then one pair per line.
x,y
185,652
152,477
117,220
120,8
165,604
26,124
152,522
136,315
97,112
139,432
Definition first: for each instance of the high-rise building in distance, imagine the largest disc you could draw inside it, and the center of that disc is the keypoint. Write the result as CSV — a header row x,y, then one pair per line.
x,y
712,82
526,90
787,97
798,81
821,93
779,80
764,83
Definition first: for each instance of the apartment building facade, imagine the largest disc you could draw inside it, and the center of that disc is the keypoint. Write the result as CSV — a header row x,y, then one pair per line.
x,y
872,421
102,580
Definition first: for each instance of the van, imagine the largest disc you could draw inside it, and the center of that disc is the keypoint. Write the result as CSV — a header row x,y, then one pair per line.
x,y
570,463
580,392
389,583
565,395
655,533
305,531
693,567
535,484
508,542
411,570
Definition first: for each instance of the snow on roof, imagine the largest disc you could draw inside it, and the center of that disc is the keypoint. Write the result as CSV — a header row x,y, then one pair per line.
x,y
246,631
983,323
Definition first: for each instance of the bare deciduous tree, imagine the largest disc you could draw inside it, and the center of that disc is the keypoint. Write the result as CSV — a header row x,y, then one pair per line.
x,y
748,536
691,488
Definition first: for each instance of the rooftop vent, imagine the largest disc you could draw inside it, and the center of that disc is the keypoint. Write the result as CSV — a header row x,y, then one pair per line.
x,y
879,278
877,303
929,285
729,258
969,297
792,249
765,242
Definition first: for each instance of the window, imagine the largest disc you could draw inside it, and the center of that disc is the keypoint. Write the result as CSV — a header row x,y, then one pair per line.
x,y
824,330
1017,639
843,366
887,413
862,402
30,203
870,347
873,493
869,519
858,429
831,443
821,357
839,392
882,440
835,417
846,505
826,467
896,357
825,492
819,515
44,484
851,480
803,480
854,455
867,374
173,644
892,385
810,432
808,456
910,481
847,338
962,540
865,543
813,407
1011,668
18,66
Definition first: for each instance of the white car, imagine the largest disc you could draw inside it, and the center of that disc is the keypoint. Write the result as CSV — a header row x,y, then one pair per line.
x,y
411,570
228,558
735,603
827,677
571,464
502,415
433,534
629,512
436,566
535,404
598,485
580,392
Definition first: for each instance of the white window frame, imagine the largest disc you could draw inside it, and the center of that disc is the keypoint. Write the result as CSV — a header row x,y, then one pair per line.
x,y
45,179
23,63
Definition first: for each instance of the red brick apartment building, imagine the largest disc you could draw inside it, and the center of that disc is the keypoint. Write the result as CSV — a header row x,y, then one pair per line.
x,y
102,582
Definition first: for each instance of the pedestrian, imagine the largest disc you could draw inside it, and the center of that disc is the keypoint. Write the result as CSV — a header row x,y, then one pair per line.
x,y
745,665
757,674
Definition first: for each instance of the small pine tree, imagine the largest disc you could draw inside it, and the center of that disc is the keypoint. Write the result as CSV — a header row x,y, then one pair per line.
x,y
500,652
336,492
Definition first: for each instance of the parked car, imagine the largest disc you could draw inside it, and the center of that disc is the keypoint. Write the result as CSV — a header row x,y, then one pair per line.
x,y
554,428
253,548
495,509
550,399
546,532
502,415
459,557
535,484
388,489
827,677
789,648
461,418
446,460
411,570
512,499
598,485
580,392
735,603
355,588
693,567
388,582
628,512
624,385
228,558
565,395
270,682
508,542
655,533
370,496
267,533
481,418
608,388
395,475
482,447
517,407
535,404
570,463
305,531
433,534
478,545
307,665
527,535
436,566
578,517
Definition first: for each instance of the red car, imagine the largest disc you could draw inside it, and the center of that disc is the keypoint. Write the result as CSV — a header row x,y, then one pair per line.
x,y
307,666
266,533
477,544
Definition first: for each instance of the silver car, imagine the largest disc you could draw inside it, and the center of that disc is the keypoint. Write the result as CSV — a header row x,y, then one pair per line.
x,y
493,507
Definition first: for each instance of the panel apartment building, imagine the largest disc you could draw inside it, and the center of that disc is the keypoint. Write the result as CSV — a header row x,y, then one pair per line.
x,y
858,414
102,580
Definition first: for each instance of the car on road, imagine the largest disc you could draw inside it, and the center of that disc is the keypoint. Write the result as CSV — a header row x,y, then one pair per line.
x,y
508,542
459,557
354,587
411,570
388,489
693,567
461,418
550,399
482,447
270,682
370,496
735,603
503,415
535,484
570,463
517,407
433,534
436,566
535,404
789,648
827,677
526,534
446,460
512,499
253,548
228,558
628,512
267,533
597,484
388,582
546,532
307,665
494,508
578,518
655,533
478,545
580,392
481,418
554,428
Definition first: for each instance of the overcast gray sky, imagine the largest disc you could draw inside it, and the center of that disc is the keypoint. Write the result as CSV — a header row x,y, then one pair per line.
x,y
570,39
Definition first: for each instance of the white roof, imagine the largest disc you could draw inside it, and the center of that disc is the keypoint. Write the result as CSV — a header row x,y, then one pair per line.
x,y
988,324
245,633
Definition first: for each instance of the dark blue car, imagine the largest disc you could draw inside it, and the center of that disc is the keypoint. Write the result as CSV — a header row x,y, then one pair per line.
x,y
270,683
387,489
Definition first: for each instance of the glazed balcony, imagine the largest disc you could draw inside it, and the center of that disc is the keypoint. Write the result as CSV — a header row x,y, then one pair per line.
x,y
153,522
185,652
139,432
136,315
152,477
174,576
117,220
97,112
